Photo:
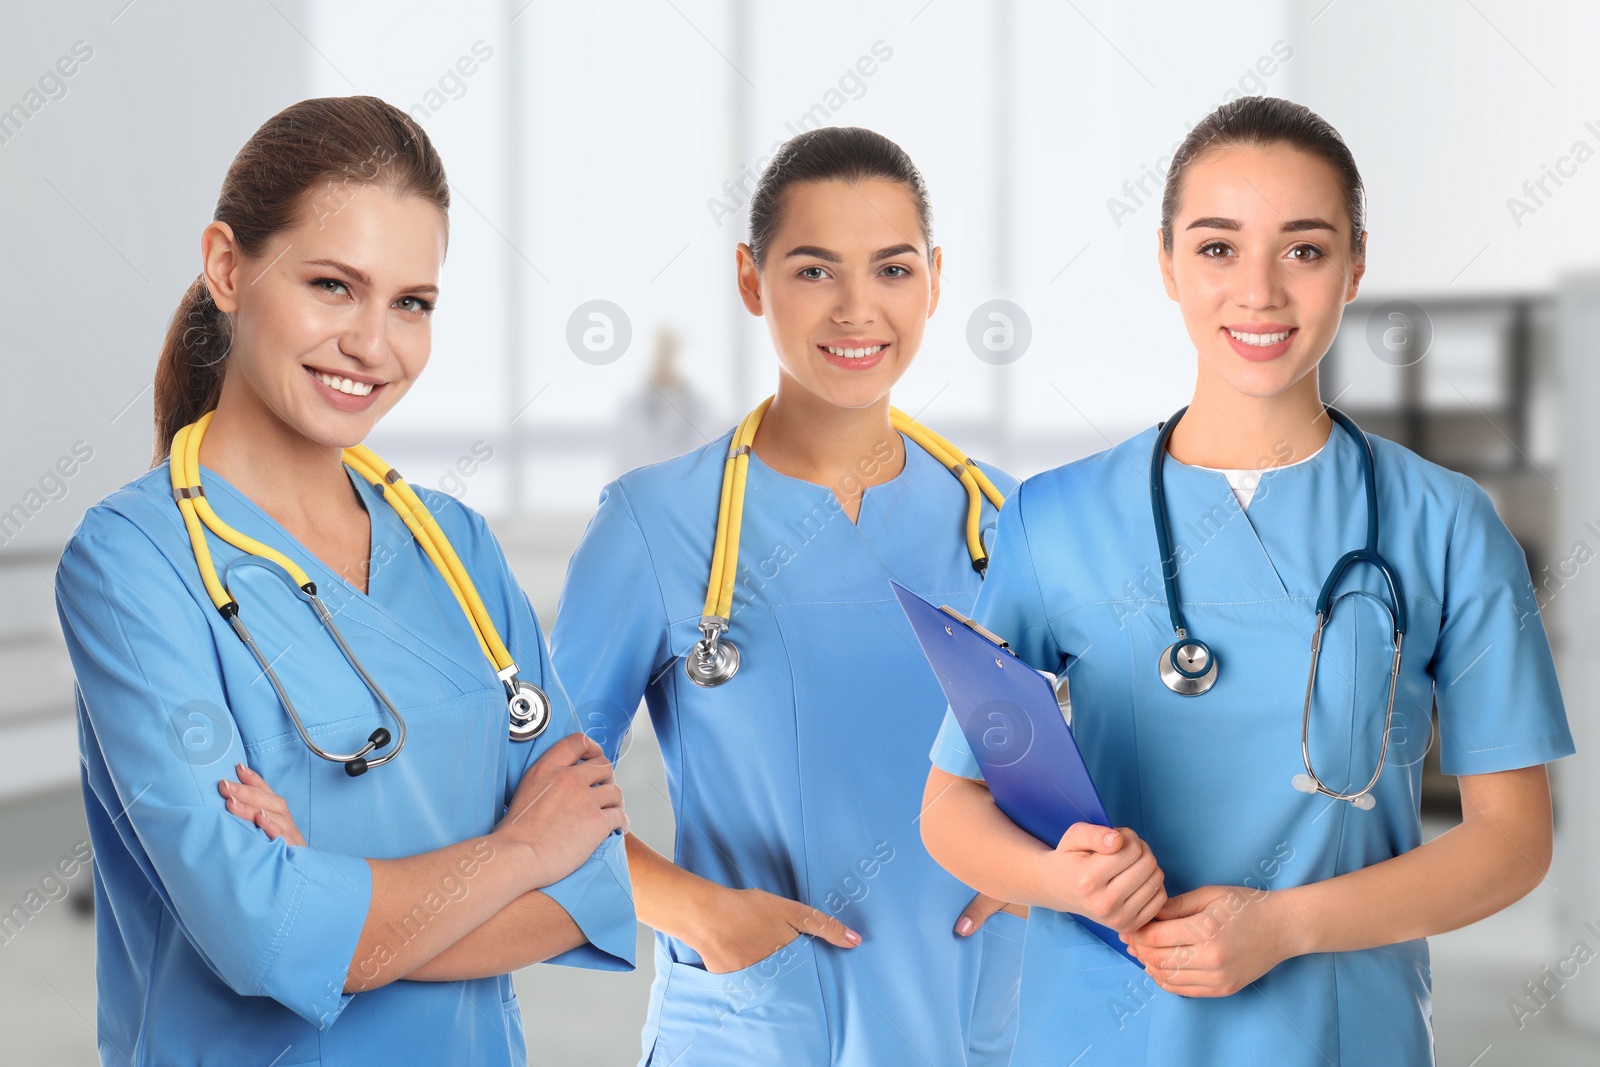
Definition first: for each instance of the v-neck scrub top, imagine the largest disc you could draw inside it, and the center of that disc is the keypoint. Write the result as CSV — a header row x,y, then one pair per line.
x,y
803,775
216,945
1076,582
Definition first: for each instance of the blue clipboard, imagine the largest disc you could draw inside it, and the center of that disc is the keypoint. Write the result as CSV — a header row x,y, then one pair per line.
x,y
1015,728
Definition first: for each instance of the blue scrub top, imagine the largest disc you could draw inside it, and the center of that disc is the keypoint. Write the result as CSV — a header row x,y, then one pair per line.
x,y
216,944
803,775
1076,582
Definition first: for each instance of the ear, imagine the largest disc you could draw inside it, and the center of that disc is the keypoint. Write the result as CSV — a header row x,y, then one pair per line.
x,y
220,256
1358,270
936,268
749,279
1164,260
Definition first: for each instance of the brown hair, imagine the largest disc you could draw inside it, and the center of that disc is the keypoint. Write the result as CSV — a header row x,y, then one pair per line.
x,y
842,153
326,144
1259,122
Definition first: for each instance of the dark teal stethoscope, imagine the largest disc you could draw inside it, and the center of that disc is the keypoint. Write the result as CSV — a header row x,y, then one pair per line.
x,y
1188,667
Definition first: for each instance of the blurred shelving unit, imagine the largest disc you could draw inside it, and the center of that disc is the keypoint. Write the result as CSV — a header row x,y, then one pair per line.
x,y
1470,383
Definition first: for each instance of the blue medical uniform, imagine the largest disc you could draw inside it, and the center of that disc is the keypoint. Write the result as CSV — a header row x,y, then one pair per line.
x,y
803,775
217,945
1076,581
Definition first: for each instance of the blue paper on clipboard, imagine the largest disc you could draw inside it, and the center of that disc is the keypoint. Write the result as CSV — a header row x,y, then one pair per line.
x,y
1011,720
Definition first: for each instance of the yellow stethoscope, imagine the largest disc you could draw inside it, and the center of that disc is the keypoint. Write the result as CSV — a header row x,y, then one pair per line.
x,y
714,660
527,704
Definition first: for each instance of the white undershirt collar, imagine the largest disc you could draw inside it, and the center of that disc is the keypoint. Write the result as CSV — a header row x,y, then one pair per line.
x,y
1243,481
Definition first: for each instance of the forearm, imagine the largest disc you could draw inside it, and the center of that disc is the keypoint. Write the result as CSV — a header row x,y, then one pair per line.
x,y
423,904
667,897
970,837
531,929
1497,855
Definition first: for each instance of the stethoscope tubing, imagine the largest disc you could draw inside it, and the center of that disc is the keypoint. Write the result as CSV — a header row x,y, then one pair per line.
x,y
714,659
528,706
1368,554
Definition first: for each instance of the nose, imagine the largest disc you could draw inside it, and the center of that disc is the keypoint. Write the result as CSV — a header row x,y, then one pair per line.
x,y
1259,284
855,307
365,336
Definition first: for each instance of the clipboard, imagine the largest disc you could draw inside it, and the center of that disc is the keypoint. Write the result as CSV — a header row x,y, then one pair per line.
x,y
1015,728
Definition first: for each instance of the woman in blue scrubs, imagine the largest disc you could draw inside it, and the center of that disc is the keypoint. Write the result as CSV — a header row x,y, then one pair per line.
x,y
381,925
796,783
1295,932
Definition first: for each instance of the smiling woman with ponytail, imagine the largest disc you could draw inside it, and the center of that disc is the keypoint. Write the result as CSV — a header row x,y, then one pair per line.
x,y
230,930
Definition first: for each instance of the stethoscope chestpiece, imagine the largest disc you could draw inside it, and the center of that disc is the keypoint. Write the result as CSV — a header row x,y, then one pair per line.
x,y
713,660
530,711
1188,667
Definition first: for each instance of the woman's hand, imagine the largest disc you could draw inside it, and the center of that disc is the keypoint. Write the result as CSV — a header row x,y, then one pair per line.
x,y
1106,875
976,913
744,926
564,807
1215,940
252,799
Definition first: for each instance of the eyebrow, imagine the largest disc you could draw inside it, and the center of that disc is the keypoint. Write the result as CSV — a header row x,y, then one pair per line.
x,y
364,279
1215,222
814,252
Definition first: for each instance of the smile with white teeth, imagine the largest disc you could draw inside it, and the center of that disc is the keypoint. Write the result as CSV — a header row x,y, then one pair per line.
x,y
344,385
1260,340
855,353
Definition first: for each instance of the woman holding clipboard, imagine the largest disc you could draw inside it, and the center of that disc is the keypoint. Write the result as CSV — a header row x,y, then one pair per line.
x,y
1186,580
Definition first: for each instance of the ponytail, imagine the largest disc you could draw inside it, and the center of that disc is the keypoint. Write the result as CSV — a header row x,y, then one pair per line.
x,y
189,372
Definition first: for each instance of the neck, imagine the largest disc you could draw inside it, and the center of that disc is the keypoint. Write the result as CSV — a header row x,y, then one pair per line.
x,y
806,437
1225,428
270,462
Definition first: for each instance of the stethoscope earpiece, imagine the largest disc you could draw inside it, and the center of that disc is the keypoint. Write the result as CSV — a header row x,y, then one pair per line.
x,y
1306,784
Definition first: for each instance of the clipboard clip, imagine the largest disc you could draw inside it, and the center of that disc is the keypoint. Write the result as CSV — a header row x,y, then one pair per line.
x,y
977,628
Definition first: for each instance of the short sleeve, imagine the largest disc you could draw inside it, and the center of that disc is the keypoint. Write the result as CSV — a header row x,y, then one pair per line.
x,y
598,895
269,919
1011,606
611,630
1499,704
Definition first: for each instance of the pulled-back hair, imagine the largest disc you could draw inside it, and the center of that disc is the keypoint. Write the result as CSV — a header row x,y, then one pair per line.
x,y
308,149
1260,122
831,153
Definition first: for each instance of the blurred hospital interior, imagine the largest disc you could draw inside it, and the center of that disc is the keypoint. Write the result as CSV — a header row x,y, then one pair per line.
x,y
601,158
